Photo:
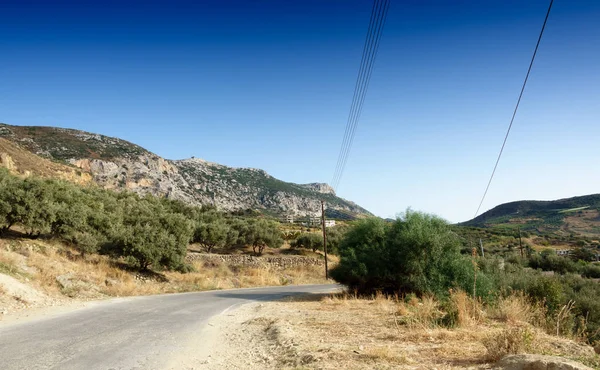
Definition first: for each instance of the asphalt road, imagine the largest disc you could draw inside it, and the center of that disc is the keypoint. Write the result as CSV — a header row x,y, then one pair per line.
x,y
130,333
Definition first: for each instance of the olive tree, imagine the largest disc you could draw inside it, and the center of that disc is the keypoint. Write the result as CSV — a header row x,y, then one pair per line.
x,y
262,233
417,253
211,230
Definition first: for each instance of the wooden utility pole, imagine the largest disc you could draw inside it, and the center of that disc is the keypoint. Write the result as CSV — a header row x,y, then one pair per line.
x,y
520,243
481,246
324,237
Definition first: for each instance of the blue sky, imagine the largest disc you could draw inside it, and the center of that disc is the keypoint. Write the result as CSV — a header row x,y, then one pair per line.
x,y
268,84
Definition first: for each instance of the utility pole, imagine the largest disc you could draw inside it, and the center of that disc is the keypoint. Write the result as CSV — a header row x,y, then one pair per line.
x,y
481,246
324,237
520,243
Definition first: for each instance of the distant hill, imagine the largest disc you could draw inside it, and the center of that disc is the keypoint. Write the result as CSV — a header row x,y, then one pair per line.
x,y
577,215
118,164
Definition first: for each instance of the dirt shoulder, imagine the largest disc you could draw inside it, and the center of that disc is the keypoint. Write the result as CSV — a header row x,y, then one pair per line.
x,y
321,332
231,340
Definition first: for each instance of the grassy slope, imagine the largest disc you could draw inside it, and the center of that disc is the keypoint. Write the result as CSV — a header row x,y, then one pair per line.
x,y
63,144
578,215
22,161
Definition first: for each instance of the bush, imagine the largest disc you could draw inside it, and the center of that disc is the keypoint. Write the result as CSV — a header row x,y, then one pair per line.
x,y
309,241
149,235
211,230
418,253
591,271
363,257
335,235
260,233
549,261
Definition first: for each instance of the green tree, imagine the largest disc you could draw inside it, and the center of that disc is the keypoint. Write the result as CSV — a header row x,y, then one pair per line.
x,y
150,235
211,230
33,206
418,253
309,241
335,235
262,233
363,257
8,186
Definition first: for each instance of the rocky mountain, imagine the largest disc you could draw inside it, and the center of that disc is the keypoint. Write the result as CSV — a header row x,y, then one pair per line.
x,y
577,215
118,164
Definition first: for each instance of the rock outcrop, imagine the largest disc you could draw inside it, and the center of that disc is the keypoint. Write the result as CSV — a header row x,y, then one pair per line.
x,y
119,165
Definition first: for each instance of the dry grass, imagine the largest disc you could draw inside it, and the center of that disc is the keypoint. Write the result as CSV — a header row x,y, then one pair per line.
x,y
420,314
8,265
28,163
97,276
349,332
518,308
469,311
385,354
510,341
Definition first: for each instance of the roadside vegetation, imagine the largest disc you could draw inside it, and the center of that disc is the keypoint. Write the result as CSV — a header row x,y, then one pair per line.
x,y
419,256
144,232
348,331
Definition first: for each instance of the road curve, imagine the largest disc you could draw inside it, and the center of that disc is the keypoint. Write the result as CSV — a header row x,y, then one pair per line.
x,y
129,333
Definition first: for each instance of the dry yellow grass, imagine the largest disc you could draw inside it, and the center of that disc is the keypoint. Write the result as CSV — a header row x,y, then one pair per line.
x,y
97,276
23,162
348,332
518,308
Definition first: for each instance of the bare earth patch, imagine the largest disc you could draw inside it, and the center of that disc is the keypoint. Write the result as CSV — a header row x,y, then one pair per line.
x,y
328,332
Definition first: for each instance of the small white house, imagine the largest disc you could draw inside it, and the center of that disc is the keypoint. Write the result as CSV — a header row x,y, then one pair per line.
x,y
329,223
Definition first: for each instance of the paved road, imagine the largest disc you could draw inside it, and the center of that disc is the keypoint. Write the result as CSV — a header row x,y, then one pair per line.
x,y
131,333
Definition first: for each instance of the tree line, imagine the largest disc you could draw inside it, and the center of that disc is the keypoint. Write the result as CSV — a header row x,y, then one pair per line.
x,y
146,231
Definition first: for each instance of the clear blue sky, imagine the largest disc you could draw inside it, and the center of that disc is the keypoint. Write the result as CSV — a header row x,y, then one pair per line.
x,y
268,84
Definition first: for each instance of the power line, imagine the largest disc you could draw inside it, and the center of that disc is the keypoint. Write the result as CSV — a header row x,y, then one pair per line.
x,y
516,108
356,88
369,52
377,21
362,95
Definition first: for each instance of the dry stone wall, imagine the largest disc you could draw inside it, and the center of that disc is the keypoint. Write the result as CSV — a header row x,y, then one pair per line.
x,y
277,262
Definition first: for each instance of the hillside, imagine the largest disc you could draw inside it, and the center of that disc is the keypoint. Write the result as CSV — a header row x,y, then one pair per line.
x,y
577,215
118,164
22,162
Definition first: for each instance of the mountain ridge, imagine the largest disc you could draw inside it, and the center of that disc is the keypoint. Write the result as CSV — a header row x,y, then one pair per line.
x,y
579,215
118,164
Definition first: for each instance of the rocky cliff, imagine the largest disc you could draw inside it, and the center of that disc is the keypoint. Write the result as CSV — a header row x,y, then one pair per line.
x,y
117,164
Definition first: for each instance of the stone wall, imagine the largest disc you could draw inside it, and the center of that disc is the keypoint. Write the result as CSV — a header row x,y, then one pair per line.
x,y
278,262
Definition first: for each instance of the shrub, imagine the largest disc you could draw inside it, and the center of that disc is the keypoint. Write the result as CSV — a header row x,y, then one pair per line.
x,y
309,241
211,230
591,271
418,253
549,261
363,256
261,233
